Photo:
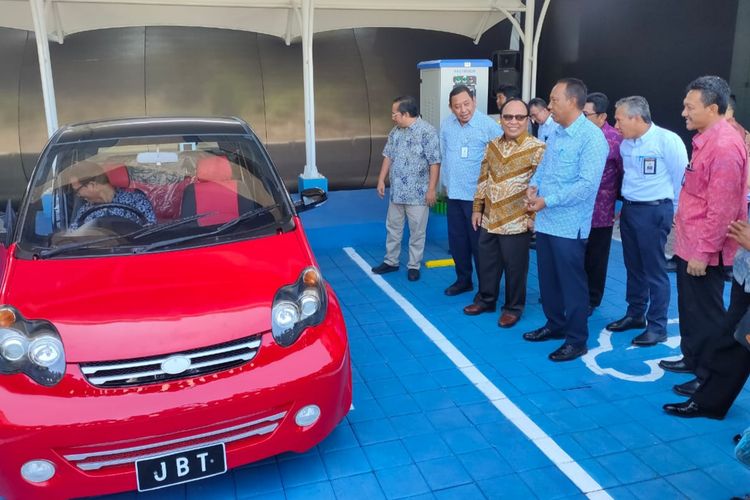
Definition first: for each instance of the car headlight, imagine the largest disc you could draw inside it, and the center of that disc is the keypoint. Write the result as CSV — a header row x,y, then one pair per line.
x,y
32,347
298,306
45,351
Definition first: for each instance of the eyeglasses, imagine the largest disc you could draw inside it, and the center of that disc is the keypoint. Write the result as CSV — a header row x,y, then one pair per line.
x,y
591,113
517,118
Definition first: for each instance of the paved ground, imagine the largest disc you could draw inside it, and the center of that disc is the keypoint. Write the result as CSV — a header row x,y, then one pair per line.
x,y
421,429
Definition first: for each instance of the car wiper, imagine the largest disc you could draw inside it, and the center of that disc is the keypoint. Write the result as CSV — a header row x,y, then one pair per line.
x,y
249,215
169,225
138,233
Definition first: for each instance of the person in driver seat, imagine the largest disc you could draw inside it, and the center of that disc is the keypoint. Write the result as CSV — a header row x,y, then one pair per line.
x,y
95,189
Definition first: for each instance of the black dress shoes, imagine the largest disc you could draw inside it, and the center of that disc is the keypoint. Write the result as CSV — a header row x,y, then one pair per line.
x,y
457,288
568,352
648,338
689,409
678,366
688,388
541,334
384,268
412,274
478,308
627,323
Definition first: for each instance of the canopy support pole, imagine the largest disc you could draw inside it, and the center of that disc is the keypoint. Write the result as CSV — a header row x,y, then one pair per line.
x,y
528,59
45,65
537,36
310,176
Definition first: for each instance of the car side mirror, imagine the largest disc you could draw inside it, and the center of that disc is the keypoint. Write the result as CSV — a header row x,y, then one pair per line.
x,y
310,198
7,222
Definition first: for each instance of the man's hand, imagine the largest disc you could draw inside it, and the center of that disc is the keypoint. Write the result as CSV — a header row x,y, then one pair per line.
x,y
739,231
431,197
381,188
476,219
536,204
696,267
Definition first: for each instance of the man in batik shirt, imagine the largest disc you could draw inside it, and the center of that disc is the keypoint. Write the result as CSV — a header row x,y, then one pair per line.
x,y
501,215
411,160
600,237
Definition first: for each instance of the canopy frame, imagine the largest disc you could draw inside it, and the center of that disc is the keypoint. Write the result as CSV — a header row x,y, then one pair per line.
x,y
303,11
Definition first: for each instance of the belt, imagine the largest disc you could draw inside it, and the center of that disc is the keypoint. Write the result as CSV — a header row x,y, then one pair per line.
x,y
648,203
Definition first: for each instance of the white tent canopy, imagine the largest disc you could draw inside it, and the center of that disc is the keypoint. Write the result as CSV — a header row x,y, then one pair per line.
x,y
287,19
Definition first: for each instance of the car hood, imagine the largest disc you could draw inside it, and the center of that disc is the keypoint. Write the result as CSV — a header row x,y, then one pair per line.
x,y
110,308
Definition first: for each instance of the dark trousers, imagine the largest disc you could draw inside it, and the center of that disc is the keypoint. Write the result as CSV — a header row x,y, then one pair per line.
x,y
644,230
727,363
508,254
463,241
563,284
700,302
597,259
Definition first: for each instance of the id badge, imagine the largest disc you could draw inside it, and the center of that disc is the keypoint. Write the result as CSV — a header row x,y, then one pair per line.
x,y
464,151
649,166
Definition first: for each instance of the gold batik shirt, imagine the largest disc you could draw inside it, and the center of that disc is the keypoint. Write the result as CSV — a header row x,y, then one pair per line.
x,y
501,189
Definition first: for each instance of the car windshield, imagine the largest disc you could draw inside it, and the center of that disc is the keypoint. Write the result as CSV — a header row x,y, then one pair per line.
x,y
137,195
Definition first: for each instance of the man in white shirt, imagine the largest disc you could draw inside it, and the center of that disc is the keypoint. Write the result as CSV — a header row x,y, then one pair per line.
x,y
654,161
542,117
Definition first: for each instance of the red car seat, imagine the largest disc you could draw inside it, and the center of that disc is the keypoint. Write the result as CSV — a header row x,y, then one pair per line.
x,y
215,193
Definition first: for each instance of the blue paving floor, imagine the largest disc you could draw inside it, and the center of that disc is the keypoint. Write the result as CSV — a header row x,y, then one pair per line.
x,y
420,429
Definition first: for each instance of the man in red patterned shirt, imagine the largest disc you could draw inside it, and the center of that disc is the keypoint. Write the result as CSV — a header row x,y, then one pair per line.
x,y
713,195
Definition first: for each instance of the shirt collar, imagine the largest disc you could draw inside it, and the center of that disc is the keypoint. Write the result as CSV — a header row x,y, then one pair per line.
x,y
702,138
575,128
518,140
648,133
413,125
549,120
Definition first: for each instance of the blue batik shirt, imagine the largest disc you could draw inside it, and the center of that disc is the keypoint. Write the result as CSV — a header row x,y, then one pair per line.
x,y
135,199
568,179
411,150
459,175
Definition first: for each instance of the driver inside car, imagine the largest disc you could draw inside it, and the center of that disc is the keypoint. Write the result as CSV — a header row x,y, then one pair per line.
x,y
95,189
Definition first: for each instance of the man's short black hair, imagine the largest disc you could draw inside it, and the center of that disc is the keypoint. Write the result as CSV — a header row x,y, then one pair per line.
x,y
458,89
510,91
407,105
514,99
575,89
713,89
538,101
599,100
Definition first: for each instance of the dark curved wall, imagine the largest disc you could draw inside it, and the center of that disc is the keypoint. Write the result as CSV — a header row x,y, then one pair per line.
x,y
192,71
638,47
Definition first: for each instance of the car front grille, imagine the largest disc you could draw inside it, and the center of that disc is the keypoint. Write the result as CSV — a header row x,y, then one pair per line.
x,y
156,369
102,456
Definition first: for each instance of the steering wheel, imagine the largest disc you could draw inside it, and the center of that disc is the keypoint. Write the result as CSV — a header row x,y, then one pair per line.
x,y
103,206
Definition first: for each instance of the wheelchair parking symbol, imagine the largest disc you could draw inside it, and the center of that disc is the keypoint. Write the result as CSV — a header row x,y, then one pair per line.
x,y
605,346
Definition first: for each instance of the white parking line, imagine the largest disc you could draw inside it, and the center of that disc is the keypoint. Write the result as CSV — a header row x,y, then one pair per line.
x,y
513,413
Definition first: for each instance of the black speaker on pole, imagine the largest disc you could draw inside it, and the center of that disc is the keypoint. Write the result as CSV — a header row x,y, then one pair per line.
x,y
506,68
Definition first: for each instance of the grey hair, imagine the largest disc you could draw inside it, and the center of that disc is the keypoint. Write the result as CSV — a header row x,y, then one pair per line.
x,y
636,105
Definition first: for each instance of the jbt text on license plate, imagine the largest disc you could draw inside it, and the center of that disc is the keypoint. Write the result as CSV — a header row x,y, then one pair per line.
x,y
181,467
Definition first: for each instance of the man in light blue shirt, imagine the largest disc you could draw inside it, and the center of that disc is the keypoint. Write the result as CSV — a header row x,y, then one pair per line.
x,y
542,117
562,192
654,160
463,140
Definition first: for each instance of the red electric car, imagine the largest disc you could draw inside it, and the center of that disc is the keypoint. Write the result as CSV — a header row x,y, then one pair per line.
x,y
162,317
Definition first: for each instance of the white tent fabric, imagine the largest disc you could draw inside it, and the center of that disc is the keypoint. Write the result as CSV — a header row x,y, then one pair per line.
x,y
272,17
288,19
